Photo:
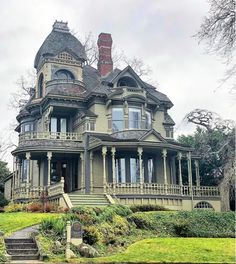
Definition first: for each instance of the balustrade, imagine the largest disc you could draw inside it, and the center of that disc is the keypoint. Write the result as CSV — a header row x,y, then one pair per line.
x,y
50,136
163,189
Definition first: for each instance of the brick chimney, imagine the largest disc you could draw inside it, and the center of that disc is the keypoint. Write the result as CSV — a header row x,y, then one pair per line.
x,y
105,63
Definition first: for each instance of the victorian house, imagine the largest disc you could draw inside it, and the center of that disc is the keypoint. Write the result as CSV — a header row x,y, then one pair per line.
x,y
98,136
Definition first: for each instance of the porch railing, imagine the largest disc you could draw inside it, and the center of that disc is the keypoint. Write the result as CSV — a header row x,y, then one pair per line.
x,y
30,192
57,188
162,189
50,135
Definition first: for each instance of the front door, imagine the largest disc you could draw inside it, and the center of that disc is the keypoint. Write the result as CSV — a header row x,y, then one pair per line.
x,y
59,169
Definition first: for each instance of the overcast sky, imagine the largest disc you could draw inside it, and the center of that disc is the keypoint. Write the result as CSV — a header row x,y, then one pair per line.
x,y
157,31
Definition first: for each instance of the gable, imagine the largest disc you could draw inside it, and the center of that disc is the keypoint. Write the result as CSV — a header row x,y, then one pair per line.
x,y
152,136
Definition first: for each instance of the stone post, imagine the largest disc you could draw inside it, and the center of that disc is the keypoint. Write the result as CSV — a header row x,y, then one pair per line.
x,y
140,153
113,152
68,239
104,153
91,172
49,156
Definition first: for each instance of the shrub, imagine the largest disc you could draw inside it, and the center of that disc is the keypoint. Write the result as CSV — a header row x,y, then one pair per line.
x,y
34,207
13,207
84,215
147,207
181,227
142,221
91,235
109,237
120,225
3,200
53,227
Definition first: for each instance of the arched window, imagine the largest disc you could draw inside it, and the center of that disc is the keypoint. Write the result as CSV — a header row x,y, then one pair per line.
x,y
127,81
64,74
203,205
40,86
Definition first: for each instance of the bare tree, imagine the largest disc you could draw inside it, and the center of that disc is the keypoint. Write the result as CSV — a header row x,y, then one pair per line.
x,y
224,150
218,28
25,87
217,31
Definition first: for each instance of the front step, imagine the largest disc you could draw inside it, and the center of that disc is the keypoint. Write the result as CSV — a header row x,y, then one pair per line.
x,y
22,248
88,200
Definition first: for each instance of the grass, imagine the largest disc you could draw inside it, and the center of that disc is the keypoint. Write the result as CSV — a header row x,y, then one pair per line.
x,y
174,250
11,222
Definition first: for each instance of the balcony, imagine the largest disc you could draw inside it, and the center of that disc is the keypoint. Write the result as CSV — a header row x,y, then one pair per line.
x,y
45,140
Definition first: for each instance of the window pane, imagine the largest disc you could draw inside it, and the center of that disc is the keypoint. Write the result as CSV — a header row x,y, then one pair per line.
x,y
120,170
27,128
53,124
134,170
117,119
24,170
134,118
63,125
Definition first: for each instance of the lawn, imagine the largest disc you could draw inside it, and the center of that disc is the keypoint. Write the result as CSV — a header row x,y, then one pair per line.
x,y
178,250
11,222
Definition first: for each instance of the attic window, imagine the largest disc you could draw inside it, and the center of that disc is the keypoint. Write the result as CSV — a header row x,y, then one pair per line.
x,y
64,74
127,81
65,56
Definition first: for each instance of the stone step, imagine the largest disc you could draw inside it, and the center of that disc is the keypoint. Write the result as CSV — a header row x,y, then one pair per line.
x,y
18,240
90,200
25,257
21,246
21,252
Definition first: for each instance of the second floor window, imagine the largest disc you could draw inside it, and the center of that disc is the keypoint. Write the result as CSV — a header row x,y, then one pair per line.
x,y
148,124
117,119
58,124
134,118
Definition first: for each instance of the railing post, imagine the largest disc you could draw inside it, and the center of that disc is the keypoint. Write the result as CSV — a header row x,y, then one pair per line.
x,y
104,153
140,152
113,152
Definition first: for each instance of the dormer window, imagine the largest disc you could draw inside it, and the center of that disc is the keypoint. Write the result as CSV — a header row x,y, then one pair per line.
x,y
63,75
127,81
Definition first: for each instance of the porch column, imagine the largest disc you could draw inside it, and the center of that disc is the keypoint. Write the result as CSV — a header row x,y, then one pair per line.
x,y
27,155
179,157
190,183
91,171
49,156
164,155
20,172
196,163
38,166
104,153
82,172
28,168
140,152
113,152
17,173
